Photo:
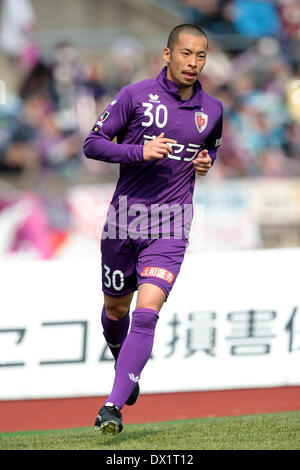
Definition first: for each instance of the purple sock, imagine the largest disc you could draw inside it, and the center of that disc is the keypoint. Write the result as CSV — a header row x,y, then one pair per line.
x,y
134,354
115,331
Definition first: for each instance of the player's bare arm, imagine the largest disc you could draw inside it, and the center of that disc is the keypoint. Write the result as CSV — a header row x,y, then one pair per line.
x,y
202,163
158,148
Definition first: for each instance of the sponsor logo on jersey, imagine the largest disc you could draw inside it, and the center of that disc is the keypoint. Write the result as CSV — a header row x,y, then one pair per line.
x,y
201,121
113,102
153,98
161,273
103,118
100,121
183,152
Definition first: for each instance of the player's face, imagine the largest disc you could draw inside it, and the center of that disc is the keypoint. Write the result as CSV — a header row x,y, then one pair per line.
x,y
186,60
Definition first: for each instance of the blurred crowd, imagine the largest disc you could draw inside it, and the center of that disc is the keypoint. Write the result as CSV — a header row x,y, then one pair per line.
x,y
43,124
253,18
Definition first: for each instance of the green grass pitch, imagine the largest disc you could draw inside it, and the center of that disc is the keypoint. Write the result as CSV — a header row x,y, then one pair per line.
x,y
277,431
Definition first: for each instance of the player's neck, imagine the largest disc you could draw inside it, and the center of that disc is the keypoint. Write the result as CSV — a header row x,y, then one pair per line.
x,y
186,92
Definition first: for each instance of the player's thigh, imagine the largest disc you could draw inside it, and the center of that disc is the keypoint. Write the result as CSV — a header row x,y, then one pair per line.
x,y
159,264
118,259
150,296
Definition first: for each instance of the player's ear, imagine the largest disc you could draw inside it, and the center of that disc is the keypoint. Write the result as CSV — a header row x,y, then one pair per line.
x,y
166,54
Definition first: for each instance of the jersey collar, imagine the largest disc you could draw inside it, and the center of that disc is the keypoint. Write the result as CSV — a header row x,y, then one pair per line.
x,y
172,88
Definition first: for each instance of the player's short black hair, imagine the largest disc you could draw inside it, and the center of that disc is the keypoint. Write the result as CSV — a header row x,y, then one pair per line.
x,y
184,28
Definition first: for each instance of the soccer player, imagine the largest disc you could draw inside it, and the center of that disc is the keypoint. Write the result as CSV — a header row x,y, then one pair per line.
x,y
168,129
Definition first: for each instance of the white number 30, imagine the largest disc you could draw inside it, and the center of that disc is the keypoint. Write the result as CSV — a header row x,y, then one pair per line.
x,y
161,115
116,280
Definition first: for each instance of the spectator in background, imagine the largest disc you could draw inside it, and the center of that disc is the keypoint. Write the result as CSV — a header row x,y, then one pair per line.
x,y
290,17
68,74
58,149
39,79
18,39
93,81
256,18
126,57
215,15
261,120
291,140
18,131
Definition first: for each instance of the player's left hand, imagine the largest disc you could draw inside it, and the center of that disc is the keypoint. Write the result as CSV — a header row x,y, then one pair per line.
x,y
202,163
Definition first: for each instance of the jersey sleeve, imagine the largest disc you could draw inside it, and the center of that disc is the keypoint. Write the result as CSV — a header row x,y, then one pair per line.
x,y
214,140
112,122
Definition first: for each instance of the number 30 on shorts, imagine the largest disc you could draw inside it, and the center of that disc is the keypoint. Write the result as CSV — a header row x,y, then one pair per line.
x,y
116,279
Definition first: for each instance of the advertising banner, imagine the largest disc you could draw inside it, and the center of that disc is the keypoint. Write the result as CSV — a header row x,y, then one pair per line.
x,y
228,215
232,320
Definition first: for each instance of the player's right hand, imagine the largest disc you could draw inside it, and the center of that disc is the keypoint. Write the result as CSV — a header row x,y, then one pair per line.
x,y
157,148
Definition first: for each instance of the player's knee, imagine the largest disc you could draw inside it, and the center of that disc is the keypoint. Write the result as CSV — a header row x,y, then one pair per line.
x,y
116,311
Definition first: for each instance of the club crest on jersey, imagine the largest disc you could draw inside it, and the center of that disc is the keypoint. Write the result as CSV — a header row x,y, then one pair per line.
x,y
201,121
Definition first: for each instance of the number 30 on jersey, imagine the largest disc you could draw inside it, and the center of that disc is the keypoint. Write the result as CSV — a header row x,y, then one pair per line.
x,y
159,115
116,279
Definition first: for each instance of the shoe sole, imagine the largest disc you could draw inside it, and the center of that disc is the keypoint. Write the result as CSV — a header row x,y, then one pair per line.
x,y
109,427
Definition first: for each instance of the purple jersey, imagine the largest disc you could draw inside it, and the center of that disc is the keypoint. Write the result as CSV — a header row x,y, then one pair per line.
x,y
139,113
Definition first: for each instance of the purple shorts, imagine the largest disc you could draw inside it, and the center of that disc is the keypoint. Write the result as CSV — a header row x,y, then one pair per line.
x,y
129,263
